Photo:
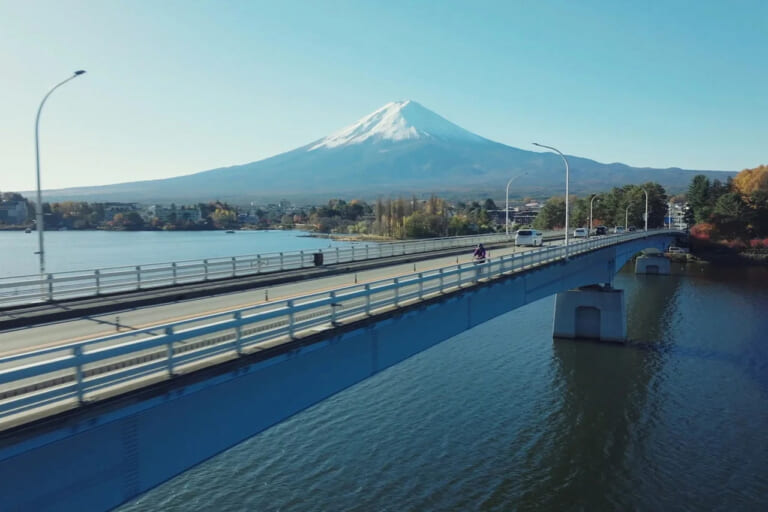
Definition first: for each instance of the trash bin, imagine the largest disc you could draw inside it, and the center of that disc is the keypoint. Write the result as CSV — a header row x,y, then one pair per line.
x,y
318,258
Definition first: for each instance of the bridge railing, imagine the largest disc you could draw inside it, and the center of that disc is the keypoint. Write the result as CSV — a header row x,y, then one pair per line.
x,y
31,289
92,369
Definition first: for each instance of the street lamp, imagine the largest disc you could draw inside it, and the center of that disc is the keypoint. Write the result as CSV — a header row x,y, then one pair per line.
x,y
566,191
39,216
646,209
506,209
590,213
626,217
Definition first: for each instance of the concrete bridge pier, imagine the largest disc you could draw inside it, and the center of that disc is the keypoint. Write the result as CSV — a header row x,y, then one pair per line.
x,y
591,312
652,263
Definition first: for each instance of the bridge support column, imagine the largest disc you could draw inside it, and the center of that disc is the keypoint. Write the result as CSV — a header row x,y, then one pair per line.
x,y
592,312
652,264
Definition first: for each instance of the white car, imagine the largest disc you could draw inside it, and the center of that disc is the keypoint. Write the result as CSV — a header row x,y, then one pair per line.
x,y
580,233
529,237
618,229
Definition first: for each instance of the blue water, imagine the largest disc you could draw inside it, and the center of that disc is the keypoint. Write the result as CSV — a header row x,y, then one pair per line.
x,y
503,417
85,250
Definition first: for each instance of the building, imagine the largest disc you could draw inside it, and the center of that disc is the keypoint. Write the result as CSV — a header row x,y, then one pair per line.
x,y
13,212
173,213
112,209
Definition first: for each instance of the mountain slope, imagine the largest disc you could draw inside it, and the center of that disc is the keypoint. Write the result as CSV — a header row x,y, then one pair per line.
x,y
401,148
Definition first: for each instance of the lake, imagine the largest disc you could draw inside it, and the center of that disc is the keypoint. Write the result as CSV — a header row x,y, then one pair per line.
x,y
503,417
83,250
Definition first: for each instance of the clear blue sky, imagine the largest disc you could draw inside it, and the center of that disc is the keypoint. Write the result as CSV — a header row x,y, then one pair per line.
x,y
176,87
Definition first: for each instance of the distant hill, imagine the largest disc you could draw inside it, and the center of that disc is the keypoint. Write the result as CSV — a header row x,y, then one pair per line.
x,y
402,148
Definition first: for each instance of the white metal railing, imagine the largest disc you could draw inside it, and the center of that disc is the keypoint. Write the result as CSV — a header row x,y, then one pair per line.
x,y
86,369
32,289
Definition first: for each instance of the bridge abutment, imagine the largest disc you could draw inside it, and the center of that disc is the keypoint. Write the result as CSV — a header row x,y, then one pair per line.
x,y
592,312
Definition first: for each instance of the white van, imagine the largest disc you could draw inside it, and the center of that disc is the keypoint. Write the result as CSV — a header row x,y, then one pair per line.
x,y
529,237
580,233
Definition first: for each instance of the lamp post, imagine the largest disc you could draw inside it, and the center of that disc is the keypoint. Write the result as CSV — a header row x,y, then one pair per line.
x,y
566,190
506,208
626,216
589,233
39,214
646,209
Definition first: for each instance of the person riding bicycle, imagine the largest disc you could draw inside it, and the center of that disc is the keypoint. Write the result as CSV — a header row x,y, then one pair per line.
x,y
479,254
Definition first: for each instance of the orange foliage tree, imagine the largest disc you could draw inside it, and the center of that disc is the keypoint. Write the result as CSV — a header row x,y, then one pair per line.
x,y
749,181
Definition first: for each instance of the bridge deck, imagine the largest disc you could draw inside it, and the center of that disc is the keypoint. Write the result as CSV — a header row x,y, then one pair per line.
x,y
69,370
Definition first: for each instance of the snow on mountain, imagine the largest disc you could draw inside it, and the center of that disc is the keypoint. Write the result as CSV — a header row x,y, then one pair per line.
x,y
398,121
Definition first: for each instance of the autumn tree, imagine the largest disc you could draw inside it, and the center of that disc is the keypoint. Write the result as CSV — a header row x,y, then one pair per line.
x,y
751,181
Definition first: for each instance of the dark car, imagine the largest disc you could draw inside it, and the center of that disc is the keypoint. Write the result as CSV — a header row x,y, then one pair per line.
x,y
632,228
601,230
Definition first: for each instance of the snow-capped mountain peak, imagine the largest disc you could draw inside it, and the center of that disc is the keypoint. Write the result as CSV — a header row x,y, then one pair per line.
x,y
396,121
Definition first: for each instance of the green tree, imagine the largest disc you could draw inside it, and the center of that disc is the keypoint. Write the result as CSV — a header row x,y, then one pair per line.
x,y
552,214
699,198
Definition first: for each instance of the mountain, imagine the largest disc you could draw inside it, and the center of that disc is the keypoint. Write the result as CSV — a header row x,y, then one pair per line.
x,y
402,148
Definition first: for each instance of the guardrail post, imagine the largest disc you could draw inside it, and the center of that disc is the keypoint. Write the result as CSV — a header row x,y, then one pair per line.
x,y
366,251
337,255
173,270
397,290
234,266
291,318
258,263
205,270
77,351
138,277
238,333
97,277
281,261
49,278
169,332
333,307
421,285
353,253
301,259
440,271
367,299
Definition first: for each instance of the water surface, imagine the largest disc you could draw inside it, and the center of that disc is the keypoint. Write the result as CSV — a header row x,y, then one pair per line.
x,y
503,417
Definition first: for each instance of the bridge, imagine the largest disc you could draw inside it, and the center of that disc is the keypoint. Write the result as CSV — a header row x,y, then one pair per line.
x,y
158,400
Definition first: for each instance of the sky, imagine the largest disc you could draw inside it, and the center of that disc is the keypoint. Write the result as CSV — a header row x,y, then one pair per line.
x,y
177,87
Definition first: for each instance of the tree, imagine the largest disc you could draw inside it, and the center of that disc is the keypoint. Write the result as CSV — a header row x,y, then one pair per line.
x,y
729,207
728,216
751,182
551,215
699,198
224,218
689,217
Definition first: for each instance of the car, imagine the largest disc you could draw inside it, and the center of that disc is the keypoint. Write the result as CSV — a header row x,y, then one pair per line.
x,y
601,230
618,229
529,237
580,233
631,228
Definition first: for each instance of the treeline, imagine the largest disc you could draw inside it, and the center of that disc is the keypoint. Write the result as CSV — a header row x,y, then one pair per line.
x,y
84,215
615,208
403,218
735,211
